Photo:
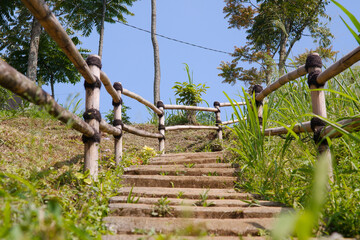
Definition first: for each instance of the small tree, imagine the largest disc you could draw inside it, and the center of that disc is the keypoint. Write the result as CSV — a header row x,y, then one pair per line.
x,y
189,94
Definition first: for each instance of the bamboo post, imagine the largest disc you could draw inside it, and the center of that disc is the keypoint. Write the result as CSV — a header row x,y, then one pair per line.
x,y
218,120
259,104
118,123
160,105
313,66
93,117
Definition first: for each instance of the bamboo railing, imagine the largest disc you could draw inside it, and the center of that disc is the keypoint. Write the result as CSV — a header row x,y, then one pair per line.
x,y
92,125
94,78
316,81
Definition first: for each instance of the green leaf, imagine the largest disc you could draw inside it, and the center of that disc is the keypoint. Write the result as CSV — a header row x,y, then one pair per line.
x,y
349,14
352,31
87,181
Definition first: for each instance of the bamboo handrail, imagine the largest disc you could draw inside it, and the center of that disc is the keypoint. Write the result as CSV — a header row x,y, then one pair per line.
x,y
142,100
227,104
349,125
53,27
232,121
339,66
195,108
109,88
106,127
183,127
140,132
301,71
27,89
298,128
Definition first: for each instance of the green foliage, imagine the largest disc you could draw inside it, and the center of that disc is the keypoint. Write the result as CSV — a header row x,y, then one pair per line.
x,y
188,92
83,16
281,169
272,28
353,20
131,198
124,115
53,64
31,210
162,208
203,200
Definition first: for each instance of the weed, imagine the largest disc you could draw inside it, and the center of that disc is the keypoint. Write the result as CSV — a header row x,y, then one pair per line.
x,y
212,173
180,194
189,165
164,173
131,198
162,208
203,200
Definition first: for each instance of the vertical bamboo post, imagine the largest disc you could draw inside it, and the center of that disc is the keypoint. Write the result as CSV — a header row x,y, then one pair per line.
x,y
313,67
160,105
93,117
218,120
118,123
259,104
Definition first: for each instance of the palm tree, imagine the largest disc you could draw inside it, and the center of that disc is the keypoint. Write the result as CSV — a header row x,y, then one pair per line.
x,y
83,15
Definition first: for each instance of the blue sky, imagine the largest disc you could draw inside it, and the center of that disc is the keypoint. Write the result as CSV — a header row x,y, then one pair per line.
x,y
128,53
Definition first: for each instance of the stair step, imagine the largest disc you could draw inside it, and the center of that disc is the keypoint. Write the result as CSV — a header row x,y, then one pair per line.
x,y
175,170
179,181
147,237
190,193
212,165
216,202
190,154
145,210
178,161
219,227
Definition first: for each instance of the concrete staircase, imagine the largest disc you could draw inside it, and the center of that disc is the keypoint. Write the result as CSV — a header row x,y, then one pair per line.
x,y
193,193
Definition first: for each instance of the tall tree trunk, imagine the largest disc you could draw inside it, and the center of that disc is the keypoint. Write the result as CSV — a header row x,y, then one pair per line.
x,y
101,40
34,49
52,86
282,52
268,69
156,53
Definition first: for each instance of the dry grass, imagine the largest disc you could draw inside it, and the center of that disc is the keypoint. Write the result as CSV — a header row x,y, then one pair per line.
x,y
35,143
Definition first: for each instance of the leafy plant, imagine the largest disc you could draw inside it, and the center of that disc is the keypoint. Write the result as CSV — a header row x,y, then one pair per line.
x,y
203,200
189,165
189,93
131,198
162,208
353,20
124,115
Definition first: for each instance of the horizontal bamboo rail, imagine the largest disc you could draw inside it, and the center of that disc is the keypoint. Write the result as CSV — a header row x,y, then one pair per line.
x,y
105,127
227,104
297,128
301,71
195,108
19,84
350,125
142,100
232,121
140,132
342,64
109,88
53,27
188,127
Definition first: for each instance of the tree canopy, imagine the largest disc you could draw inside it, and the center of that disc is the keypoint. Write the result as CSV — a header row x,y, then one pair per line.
x,y
273,27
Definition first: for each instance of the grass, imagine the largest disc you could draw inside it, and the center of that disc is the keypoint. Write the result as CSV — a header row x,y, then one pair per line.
x,y
44,193
281,169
